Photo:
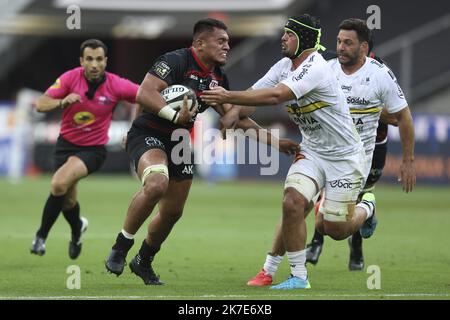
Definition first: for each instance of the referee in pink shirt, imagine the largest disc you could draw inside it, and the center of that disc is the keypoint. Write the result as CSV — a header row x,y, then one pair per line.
x,y
88,96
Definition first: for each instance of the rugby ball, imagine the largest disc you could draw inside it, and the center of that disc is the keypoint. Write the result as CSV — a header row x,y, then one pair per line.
x,y
173,95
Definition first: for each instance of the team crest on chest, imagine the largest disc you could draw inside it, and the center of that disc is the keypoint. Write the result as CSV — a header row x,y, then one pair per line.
x,y
213,84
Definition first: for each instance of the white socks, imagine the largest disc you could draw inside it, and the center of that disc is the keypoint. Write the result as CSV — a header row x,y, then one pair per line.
x,y
127,235
271,264
297,262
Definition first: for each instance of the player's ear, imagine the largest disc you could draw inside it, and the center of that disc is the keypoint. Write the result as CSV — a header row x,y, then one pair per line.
x,y
365,46
199,43
81,61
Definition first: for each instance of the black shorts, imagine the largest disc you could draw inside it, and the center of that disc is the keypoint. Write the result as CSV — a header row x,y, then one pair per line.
x,y
378,162
139,141
93,156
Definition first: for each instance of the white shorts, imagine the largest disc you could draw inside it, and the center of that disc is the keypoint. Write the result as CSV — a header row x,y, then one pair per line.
x,y
342,179
367,166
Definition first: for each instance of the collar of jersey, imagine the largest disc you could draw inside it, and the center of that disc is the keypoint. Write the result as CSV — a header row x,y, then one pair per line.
x,y
199,62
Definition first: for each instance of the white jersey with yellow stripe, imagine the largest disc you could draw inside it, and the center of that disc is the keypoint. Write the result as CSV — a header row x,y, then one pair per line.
x,y
320,110
367,91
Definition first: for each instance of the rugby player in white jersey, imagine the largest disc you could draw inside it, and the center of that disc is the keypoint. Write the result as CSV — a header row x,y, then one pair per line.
x,y
368,85
354,42
332,157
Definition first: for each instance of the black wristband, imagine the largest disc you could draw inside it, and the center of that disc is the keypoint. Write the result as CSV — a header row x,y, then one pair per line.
x,y
175,116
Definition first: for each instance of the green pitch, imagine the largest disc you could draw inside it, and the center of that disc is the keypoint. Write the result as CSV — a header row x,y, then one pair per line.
x,y
220,243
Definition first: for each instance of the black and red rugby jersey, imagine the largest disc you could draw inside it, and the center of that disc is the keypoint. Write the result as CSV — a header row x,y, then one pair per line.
x,y
183,67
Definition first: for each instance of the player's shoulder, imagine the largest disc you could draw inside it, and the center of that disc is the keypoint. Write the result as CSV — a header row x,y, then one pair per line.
x,y
315,62
283,63
73,73
378,68
329,55
69,78
376,64
177,55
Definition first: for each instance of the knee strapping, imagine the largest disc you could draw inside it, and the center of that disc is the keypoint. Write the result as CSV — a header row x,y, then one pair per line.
x,y
303,184
334,211
157,168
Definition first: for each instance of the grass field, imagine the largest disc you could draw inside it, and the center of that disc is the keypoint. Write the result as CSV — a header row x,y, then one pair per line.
x,y
219,244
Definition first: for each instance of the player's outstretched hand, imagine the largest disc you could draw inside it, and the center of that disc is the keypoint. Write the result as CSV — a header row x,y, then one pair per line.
x,y
70,99
407,176
288,146
185,116
215,96
229,121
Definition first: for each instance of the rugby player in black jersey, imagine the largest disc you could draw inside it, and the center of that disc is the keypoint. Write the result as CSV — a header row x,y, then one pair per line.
x,y
149,144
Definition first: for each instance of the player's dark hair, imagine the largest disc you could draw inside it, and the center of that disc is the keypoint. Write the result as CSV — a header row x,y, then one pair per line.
x,y
360,27
93,44
208,24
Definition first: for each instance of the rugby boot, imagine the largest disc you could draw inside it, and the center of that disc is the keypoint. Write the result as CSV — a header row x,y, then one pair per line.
x,y
38,246
75,243
356,261
260,280
313,251
145,272
292,283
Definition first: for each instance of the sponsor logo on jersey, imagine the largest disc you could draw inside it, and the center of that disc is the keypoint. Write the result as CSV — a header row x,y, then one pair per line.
x,y
391,74
307,121
343,184
399,91
56,85
375,62
104,100
213,84
84,118
153,142
188,169
346,88
358,101
365,82
302,73
357,121
162,69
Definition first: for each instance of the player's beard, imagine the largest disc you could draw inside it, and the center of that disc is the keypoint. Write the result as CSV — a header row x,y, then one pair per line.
x,y
286,53
352,59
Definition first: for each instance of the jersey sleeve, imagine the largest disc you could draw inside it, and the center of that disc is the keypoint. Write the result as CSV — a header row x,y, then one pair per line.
x,y
305,78
128,90
168,68
391,93
270,79
61,87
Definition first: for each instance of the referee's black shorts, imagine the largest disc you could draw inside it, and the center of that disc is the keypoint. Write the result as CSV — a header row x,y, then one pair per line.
x,y
93,156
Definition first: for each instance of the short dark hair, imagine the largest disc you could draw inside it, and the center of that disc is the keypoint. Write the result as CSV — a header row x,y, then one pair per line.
x,y
208,24
360,27
93,44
